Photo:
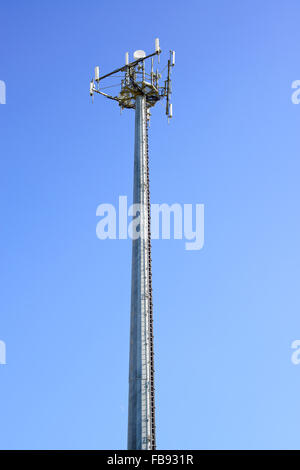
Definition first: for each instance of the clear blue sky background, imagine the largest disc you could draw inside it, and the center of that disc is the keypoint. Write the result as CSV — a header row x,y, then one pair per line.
x,y
225,316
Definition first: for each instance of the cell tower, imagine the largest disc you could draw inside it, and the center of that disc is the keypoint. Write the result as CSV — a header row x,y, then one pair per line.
x,y
140,90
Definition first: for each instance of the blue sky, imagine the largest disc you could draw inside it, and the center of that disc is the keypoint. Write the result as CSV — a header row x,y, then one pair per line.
x,y
225,316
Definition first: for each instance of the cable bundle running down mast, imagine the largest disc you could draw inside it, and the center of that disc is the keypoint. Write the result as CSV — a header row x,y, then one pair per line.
x,y
140,90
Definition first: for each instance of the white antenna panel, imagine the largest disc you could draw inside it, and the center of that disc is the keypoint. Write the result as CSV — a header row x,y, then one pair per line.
x,y
173,58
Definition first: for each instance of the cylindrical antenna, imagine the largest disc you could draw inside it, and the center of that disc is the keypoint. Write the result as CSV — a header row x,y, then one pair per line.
x,y
91,87
173,59
170,110
157,49
97,73
126,58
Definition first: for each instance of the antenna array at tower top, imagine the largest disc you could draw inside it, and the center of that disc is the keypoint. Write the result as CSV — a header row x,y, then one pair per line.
x,y
135,79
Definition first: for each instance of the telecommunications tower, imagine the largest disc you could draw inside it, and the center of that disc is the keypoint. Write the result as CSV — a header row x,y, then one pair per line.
x,y
140,89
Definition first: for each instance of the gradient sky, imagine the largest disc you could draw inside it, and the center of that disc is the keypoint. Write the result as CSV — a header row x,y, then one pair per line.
x,y
225,316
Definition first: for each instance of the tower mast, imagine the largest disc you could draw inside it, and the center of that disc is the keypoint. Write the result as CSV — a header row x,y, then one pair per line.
x,y
140,90
141,407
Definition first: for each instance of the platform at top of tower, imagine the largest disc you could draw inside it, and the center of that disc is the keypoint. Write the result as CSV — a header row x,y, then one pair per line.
x,y
129,93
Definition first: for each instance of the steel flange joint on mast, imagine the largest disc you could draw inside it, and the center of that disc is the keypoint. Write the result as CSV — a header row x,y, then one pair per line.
x,y
140,89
